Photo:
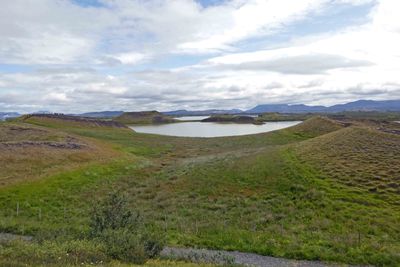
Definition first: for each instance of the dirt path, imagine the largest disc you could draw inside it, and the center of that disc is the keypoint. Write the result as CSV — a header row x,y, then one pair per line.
x,y
235,257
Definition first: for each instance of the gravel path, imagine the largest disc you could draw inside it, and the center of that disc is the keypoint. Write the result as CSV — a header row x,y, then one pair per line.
x,y
5,237
234,257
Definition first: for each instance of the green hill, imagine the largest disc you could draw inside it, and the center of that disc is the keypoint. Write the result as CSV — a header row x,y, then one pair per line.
x,y
144,117
62,121
362,157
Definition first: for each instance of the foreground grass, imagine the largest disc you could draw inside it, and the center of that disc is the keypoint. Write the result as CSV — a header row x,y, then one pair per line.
x,y
277,194
273,205
72,253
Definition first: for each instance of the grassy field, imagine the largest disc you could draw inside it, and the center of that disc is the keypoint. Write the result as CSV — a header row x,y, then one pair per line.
x,y
317,191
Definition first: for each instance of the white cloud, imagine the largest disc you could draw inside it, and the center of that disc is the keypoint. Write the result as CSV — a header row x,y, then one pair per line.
x,y
253,18
117,56
48,31
58,97
130,58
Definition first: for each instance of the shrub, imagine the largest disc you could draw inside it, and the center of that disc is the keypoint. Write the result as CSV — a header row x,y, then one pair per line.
x,y
123,231
114,213
123,245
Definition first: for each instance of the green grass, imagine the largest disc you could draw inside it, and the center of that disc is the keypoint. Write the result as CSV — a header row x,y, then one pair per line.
x,y
60,200
272,205
30,152
302,192
363,158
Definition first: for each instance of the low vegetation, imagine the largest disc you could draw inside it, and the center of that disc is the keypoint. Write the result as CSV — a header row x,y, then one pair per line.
x,y
367,115
123,232
116,233
324,189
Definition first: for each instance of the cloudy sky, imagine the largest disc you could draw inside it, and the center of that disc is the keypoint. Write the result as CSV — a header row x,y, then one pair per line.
x,y
90,55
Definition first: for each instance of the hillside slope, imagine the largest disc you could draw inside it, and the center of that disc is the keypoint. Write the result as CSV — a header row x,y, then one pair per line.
x,y
67,120
362,157
29,152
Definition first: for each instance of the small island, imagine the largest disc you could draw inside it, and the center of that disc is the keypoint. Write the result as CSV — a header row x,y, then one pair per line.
x,y
144,117
232,119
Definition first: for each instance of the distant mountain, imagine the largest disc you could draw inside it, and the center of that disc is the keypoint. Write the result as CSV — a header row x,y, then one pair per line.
x,y
184,112
285,108
102,114
6,115
367,105
360,105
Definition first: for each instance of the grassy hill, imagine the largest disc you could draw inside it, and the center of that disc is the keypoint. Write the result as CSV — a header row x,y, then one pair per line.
x,y
362,157
321,190
30,152
144,117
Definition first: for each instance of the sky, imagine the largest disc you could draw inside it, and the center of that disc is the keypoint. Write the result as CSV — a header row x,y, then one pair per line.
x,y
77,56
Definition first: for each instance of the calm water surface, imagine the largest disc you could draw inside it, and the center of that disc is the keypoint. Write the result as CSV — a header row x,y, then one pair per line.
x,y
191,118
211,129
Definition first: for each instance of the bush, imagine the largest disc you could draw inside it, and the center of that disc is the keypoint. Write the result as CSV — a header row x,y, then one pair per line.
x,y
124,245
114,213
123,231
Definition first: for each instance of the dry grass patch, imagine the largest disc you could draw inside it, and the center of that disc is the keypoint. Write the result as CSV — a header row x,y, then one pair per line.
x,y
29,152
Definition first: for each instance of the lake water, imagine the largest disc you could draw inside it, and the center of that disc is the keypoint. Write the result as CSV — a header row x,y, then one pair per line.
x,y
211,129
191,118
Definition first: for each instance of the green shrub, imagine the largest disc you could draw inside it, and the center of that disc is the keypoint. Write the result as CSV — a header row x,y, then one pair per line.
x,y
114,213
123,231
125,246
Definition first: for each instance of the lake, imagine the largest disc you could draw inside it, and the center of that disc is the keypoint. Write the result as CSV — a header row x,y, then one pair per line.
x,y
191,118
211,129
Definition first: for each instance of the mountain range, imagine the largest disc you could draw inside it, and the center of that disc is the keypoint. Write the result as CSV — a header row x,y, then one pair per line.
x,y
6,115
360,105
184,112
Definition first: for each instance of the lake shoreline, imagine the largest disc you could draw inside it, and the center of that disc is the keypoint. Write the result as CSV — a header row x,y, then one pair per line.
x,y
200,129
